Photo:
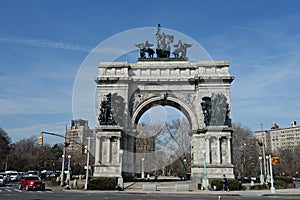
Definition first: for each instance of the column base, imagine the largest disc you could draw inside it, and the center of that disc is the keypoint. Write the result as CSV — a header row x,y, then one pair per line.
x,y
106,171
120,183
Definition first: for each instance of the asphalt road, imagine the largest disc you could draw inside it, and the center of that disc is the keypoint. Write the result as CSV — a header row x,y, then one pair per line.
x,y
10,192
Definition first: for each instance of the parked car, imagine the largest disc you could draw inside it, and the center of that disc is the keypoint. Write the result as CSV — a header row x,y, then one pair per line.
x,y
295,179
32,182
6,178
47,173
2,180
14,176
37,173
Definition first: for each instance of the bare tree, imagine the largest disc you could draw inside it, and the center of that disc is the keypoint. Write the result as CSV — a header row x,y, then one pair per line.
x,y
26,155
175,139
245,151
164,145
146,147
289,162
4,149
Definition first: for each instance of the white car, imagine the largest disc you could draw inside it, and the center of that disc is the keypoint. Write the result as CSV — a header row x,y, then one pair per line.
x,y
14,176
2,180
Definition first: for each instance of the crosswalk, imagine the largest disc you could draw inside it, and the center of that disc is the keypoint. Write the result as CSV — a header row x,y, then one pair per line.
x,y
19,191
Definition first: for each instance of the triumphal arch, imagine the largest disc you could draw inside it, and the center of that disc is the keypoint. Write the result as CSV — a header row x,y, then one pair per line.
x,y
200,90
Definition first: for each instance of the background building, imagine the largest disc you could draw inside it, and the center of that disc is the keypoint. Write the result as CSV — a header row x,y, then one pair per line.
x,y
144,146
76,138
280,138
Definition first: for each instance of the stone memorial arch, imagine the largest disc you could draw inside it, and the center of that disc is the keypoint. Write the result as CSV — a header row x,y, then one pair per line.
x,y
200,90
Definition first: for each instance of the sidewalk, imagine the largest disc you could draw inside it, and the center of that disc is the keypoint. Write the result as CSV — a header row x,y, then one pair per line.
x,y
169,188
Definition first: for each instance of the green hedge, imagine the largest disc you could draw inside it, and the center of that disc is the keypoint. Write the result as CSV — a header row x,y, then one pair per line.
x,y
102,184
282,178
259,187
281,182
232,183
51,181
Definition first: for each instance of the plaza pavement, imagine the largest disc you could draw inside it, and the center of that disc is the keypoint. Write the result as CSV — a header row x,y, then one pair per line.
x,y
168,186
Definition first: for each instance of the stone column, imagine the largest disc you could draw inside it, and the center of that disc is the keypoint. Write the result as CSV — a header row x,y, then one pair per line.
x,y
97,153
108,150
218,150
119,147
229,149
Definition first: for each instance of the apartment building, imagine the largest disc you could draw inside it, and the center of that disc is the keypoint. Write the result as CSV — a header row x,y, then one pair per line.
x,y
276,138
76,137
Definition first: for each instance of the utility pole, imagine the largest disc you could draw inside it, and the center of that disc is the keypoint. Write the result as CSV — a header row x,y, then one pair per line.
x,y
64,151
263,148
87,164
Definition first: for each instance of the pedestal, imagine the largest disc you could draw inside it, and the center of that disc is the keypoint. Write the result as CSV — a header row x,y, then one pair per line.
x,y
108,145
262,179
216,142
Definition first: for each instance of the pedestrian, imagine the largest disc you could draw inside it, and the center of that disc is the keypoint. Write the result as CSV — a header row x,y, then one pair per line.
x,y
225,183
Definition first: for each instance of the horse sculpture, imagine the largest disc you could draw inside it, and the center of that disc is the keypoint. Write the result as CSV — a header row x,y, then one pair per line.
x,y
181,49
145,48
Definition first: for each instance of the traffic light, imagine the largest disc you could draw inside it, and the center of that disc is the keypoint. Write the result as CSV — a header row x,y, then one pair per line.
x,y
275,160
41,140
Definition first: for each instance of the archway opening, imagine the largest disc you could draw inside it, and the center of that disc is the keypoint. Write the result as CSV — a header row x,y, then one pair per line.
x,y
163,143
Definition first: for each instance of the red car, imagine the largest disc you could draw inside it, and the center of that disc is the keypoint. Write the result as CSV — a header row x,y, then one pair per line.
x,y
31,183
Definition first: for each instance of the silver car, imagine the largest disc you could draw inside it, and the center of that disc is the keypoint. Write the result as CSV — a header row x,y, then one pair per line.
x,y
2,180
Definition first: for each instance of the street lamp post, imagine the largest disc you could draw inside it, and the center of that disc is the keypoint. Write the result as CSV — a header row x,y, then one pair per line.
x,y
204,179
120,179
271,171
87,164
62,169
69,169
268,173
264,155
184,166
143,170
261,173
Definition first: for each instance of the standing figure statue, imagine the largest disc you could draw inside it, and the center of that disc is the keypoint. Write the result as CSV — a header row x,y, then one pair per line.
x,y
216,110
163,48
106,115
181,49
206,109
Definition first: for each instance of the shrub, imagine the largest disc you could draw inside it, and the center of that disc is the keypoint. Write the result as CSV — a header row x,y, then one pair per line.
x,y
50,181
283,182
232,183
280,184
259,187
217,183
102,184
285,179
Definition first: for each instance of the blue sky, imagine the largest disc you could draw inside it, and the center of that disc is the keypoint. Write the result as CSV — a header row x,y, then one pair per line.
x,y
43,44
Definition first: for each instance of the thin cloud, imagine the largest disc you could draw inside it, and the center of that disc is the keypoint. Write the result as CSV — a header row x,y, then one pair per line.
x,y
59,45
248,28
44,43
